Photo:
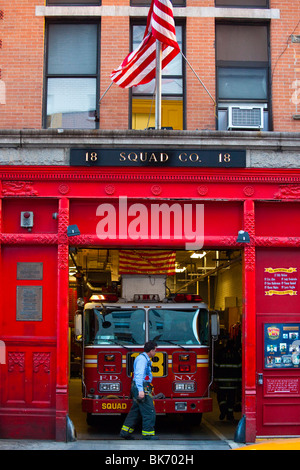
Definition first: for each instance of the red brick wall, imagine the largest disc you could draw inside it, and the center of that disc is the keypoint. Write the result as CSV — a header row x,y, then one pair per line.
x,y
115,46
200,53
22,62
22,59
285,66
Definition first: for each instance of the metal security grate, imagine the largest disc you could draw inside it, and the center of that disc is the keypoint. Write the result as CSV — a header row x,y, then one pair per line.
x,y
246,117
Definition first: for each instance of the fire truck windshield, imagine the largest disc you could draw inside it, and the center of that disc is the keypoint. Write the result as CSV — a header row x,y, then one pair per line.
x,y
167,325
117,326
184,326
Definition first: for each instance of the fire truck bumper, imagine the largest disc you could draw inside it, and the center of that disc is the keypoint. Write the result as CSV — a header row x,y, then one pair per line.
x,y
106,406
162,406
183,405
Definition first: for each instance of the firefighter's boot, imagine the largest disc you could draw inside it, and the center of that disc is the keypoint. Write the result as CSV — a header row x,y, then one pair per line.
x,y
126,432
150,438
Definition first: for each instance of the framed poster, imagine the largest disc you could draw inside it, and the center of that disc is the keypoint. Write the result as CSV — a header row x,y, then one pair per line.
x,y
30,271
29,303
282,345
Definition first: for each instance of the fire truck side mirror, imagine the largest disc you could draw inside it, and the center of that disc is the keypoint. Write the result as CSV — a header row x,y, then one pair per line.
x,y
78,327
214,324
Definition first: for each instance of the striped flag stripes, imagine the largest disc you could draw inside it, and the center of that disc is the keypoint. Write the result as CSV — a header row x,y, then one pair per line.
x,y
151,262
139,67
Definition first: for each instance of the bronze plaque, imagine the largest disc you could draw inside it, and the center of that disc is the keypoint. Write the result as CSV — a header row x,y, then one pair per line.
x,y
29,303
30,271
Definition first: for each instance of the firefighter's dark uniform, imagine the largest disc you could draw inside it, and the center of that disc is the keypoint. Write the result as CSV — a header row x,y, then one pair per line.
x,y
227,370
141,408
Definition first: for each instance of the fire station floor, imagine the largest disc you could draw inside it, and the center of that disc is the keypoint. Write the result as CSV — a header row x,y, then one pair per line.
x,y
172,430
172,427
175,432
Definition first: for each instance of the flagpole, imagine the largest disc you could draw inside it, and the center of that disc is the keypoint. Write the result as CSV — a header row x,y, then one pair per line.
x,y
158,85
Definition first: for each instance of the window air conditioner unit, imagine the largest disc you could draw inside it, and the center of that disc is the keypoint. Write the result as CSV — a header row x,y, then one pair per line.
x,y
245,117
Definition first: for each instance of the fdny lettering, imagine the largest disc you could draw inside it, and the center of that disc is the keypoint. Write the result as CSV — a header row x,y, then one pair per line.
x,y
114,406
108,377
184,377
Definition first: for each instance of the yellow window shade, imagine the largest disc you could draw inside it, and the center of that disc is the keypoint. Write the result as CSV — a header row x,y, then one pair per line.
x,y
172,113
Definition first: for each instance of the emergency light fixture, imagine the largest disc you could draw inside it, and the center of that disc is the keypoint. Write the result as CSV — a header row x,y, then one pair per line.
x,y
180,270
243,237
73,230
198,255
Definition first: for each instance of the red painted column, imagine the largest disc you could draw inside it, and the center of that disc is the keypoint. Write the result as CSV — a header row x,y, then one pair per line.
x,y
2,352
62,321
249,325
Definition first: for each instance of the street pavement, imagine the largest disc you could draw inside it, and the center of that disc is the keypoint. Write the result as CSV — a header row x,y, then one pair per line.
x,y
107,446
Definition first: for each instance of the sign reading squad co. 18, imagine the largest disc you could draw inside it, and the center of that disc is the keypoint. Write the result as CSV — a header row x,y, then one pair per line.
x,y
162,158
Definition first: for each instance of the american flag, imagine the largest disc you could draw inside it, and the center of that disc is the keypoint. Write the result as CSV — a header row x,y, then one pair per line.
x,y
151,262
139,66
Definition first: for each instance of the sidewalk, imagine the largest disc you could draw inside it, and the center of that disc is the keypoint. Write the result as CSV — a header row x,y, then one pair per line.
x,y
164,446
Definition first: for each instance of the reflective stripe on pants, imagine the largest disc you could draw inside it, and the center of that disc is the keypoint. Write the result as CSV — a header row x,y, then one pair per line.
x,y
141,409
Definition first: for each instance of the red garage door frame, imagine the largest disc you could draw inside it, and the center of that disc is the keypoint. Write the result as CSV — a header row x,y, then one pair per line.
x,y
64,186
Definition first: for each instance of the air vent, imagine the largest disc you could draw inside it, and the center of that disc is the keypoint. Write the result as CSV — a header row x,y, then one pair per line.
x,y
246,117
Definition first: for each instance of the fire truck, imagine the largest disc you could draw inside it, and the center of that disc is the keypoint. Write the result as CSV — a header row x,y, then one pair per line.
x,y
114,333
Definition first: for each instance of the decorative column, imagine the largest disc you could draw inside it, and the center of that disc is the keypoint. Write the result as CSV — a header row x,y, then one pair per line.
x,y
249,325
2,344
62,321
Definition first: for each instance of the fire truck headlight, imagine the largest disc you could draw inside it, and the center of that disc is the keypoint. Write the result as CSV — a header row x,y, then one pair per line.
x,y
184,386
109,387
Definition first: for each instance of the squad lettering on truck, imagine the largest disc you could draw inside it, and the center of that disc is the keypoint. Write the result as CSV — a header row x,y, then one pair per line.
x,y
114,406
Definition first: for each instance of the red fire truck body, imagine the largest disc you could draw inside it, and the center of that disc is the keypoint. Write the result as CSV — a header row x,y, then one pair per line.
x,y
114,334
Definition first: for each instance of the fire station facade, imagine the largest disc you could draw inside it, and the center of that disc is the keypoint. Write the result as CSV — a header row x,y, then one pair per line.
x,y
62,155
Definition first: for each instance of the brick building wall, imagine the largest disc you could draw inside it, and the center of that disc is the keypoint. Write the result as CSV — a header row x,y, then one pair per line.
x,y
22,64
114,107
201,54
22,48
285,66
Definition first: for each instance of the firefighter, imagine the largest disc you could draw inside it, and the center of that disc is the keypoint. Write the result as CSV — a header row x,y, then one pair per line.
x,y
141,389
228,366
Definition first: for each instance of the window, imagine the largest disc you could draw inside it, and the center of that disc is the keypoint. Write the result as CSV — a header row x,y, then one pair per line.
x,y
139,3
111,326
72,75
167,326
242,3
143,96
74,2
242,76
242,83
